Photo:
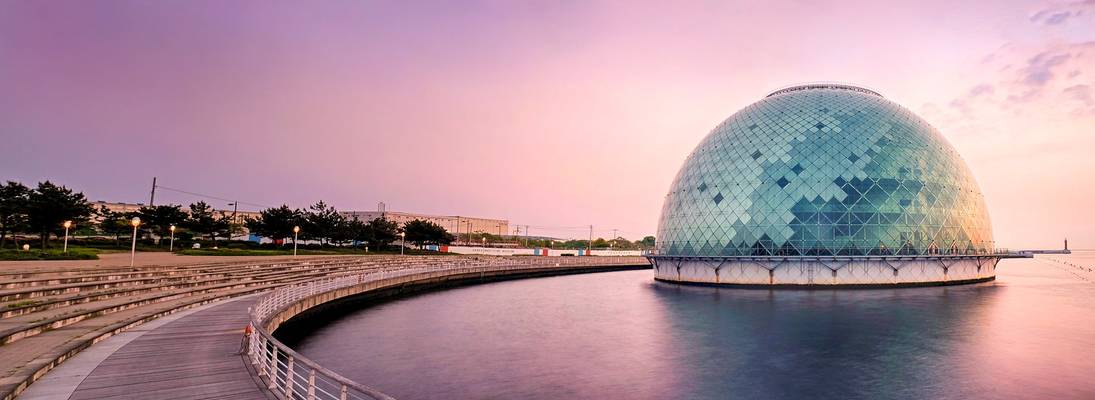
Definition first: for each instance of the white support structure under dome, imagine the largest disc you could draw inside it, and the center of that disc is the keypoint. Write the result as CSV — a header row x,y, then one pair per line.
x,y
826,271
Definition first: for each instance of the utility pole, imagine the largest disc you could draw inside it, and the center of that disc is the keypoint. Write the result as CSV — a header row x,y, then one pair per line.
x,y
526,235
613,245
152,198
235,207
589,246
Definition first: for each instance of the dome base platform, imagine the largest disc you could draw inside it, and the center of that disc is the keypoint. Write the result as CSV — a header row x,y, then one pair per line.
x,y
826,271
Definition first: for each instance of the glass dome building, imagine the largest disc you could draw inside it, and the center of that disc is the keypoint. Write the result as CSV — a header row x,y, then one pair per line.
x,y
824,184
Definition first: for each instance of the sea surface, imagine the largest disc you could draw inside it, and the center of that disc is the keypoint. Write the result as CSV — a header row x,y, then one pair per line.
x,y
621,335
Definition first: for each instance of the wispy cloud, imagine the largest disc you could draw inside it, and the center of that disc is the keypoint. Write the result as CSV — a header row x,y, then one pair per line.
x,y
1039,69
965,103
1061,13
1082,94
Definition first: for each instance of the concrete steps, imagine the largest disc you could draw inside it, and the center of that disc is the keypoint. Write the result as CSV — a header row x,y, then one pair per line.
x,y
48,315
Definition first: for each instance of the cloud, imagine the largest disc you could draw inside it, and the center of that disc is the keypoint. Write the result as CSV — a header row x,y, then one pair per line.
x,y
1083,94
1039,69
965,102
1061,13
1042,79
981,89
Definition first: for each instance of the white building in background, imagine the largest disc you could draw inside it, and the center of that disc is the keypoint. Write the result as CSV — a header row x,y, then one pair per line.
x,y
240,215
453,223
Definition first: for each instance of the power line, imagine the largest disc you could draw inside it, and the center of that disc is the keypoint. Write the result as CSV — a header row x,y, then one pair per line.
x,y
210,196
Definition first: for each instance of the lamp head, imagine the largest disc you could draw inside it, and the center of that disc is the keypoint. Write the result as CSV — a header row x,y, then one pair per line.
x,y
67,224
135,221
171,228
296,229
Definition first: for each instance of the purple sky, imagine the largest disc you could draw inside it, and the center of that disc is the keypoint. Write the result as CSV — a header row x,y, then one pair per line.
x,y
553,114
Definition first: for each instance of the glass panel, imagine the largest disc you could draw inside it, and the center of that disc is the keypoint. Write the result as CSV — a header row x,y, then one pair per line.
x,y
823,171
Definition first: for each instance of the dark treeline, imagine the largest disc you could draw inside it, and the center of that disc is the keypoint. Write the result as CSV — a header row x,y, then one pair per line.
x,y
42,211
599,243
324,224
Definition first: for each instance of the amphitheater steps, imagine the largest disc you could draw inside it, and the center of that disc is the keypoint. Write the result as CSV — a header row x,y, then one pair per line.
x,y
47,315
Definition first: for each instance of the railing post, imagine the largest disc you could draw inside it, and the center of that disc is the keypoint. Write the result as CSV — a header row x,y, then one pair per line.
x,y
312,384
289,379
271,370
342,392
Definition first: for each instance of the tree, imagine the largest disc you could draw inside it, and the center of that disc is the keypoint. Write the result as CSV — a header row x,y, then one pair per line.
x,y
204,221
358,230
322,222
13,210
158,219
276,223
113,224
647,242
382,232
422,232
49,206
229,227
341,232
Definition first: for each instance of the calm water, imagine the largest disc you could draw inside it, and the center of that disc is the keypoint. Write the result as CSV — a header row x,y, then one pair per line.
x,y
620,335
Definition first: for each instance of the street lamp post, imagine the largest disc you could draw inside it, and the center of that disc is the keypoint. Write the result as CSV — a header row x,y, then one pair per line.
x,y
67,224
171,247
484,241
133,250
296,230
402,242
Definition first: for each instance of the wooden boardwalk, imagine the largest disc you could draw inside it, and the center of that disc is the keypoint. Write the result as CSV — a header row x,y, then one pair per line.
x,y
193,357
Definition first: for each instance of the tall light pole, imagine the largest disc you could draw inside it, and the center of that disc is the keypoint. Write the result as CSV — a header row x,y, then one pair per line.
x,y
133,250
402,242
67,224
171,247
484,241
296,230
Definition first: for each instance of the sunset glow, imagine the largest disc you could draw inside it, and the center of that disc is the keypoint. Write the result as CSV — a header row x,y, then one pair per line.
x,y
557,115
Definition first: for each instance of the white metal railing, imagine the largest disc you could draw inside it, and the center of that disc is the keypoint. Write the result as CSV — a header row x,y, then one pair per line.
x,y
290,375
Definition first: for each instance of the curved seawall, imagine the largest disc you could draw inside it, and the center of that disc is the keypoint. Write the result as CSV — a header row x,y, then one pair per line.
x,y
290,375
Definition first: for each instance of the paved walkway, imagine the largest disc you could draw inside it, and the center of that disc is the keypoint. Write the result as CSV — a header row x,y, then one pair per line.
x,y
113,260
192,357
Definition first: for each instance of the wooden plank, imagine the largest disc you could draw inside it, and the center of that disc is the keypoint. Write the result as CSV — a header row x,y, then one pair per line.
x,y
191,358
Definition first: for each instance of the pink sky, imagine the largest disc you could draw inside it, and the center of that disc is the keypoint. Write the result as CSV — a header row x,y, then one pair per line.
x,y
552,114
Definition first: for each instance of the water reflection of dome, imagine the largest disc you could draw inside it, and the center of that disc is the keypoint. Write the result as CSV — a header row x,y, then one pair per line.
x,y
824,184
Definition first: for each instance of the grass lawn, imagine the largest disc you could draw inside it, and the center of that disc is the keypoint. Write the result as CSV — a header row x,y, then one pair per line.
x,y
74,253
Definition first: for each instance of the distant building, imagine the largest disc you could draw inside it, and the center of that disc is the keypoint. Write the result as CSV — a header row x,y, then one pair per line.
x,y
241,216
453,223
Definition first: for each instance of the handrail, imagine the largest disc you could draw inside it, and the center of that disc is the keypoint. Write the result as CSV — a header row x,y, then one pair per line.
x,y
290,375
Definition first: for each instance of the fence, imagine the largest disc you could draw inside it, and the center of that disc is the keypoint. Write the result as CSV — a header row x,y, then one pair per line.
x,y
291,376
